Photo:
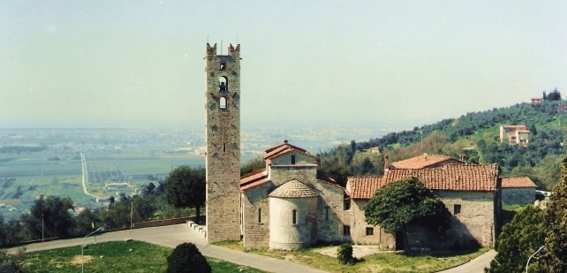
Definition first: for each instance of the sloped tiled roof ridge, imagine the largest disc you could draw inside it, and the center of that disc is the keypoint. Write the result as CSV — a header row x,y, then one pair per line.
x,y
293,189
422,161
284,148
518,182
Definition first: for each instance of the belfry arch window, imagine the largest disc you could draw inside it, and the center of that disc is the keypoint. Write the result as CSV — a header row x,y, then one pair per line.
x,y
222,103
223,84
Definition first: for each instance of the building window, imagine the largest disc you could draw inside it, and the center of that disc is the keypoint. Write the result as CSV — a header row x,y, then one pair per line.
x,y
222,65
369,231
223,84
294,217
346,230
346,203
456,209
260,215
222,103
327,212
292,159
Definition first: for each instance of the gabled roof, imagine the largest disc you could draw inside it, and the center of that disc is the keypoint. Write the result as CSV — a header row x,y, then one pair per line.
x,y
364,187
293,189
423,161
450,177
517,182
284,149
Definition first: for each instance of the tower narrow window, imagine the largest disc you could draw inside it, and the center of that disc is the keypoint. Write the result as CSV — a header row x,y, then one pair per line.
x,y
259,215
222,103
223,84
292,159
326,212
294,217
223,147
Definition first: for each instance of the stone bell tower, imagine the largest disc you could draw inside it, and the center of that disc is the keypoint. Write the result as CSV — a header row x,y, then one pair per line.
x,y
223,144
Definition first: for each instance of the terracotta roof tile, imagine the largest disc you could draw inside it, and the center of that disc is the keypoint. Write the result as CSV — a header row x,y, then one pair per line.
x,y
253,179
284,149
364,187
423,161
450,177
293,189
517,182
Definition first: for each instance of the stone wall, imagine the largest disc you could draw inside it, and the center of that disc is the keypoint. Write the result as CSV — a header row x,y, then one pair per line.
x,y
476,217
280,174
331,213
358,224
520,196
222,144
300,159
286,234
256,230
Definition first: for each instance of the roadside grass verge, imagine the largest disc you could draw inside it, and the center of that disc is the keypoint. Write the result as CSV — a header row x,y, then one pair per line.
x,y
384,262
118,256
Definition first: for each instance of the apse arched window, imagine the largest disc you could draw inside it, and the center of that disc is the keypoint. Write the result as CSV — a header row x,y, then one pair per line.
x,y
222,103
294,217
223,84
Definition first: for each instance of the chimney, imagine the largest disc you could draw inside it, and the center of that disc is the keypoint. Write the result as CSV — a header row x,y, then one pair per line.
x,y
386,163
425,156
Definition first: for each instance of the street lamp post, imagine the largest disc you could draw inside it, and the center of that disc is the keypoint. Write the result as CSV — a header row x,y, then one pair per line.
x,y
541,249
100,229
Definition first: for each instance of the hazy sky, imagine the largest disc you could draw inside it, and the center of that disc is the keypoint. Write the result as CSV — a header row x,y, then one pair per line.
x,y
377,63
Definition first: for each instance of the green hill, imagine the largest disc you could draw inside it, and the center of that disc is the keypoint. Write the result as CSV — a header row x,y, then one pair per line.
x,y
474,138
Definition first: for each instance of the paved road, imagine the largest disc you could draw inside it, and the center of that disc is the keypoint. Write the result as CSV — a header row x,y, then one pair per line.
x,y
173,235
475,266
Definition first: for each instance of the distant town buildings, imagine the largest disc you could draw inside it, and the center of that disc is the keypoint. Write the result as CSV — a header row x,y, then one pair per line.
x,y
514,134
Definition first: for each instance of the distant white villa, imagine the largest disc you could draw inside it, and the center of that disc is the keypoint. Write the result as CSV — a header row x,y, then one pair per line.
x,y
514,134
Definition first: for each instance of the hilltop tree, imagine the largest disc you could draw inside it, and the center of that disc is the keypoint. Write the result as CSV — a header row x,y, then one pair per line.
x,y
406,203
518,241
185,187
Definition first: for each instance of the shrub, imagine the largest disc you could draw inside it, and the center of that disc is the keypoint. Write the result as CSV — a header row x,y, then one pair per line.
x,y
344,254
187,258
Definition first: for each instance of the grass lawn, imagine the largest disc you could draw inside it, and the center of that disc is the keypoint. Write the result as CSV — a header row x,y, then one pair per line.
x,y
383,262
119,256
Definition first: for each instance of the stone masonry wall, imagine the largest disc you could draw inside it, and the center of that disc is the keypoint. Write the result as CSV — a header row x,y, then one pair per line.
x,y
283,173
223,144
520,196
256,231
331,213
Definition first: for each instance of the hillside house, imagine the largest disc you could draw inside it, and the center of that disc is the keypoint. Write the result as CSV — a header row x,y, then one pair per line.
x,y
470,192
514,134
518,190
536,100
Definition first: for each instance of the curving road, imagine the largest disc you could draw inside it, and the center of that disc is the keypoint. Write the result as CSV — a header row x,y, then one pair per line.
x,y
173,235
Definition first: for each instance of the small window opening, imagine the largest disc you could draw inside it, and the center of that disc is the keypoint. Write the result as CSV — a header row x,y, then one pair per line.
x,y
346,202
222,103
346,230
223,147
223,84
292,159
456,209
327,213
259,215
294,217
369,231
222,65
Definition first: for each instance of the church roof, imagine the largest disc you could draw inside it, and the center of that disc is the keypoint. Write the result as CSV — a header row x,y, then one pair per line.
x,y
423,161
517,182
293,189
284,149
253,179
